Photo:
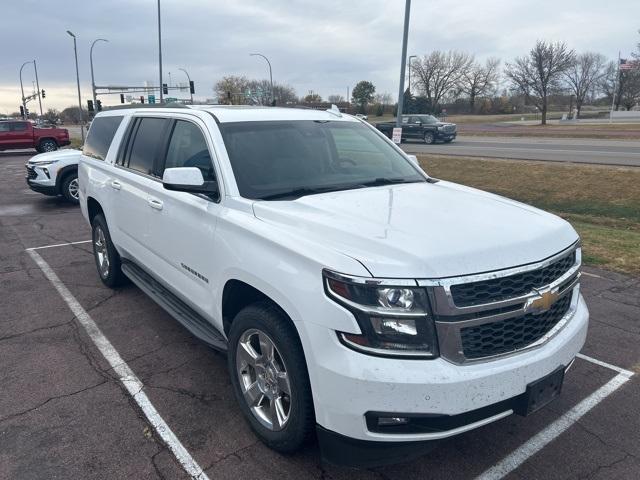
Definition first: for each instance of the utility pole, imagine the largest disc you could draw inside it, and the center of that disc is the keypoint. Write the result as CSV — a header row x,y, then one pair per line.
x,y
93,81
24,103
38,87
189,80
270,75
160,54
405,36
615,89
75,51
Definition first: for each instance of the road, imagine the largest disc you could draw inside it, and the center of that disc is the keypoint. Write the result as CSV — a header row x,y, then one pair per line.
x,y
596,151
64,413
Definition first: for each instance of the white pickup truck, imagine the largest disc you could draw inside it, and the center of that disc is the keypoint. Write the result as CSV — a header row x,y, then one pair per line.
x,y
358,299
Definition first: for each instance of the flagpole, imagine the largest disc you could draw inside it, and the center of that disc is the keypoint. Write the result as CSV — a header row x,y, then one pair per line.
x,y
615,89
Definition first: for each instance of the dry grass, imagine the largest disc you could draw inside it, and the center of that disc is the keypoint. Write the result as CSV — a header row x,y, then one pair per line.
x,y
602,203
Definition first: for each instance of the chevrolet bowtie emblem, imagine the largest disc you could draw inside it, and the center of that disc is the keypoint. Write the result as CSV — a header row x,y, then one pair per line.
x,y
542,303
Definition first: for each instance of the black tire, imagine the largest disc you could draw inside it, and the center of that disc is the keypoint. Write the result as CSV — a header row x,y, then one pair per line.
x,y
48,145
69,188
266,318
449,140
112,276
429,138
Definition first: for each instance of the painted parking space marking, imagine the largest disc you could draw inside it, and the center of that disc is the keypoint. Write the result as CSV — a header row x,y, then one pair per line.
x,y
555,429
58,245
126,376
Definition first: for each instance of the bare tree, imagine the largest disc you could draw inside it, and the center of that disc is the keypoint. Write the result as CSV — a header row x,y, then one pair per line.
x,y
538,74
609,84
479,80
630,91
438,73
232,89
335,98
586,70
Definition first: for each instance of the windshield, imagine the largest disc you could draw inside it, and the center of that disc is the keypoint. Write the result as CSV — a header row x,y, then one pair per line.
x,y
428,119
287,159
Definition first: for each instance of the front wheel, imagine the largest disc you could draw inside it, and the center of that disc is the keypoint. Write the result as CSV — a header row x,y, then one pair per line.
x,y
70,188
269,377
429,138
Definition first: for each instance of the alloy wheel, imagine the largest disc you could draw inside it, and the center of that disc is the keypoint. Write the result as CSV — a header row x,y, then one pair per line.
x,y
73,188
102,255
264,380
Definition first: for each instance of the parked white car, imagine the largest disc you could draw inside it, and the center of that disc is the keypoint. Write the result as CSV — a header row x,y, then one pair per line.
x,y
55,173
356,296
361,116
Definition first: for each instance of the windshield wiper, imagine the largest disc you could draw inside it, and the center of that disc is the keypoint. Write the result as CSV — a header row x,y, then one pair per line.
x,y
389,181
302,191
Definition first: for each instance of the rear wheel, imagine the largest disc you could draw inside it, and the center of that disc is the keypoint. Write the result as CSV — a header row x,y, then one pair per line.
x,y
105,254
48,145
70,188
429,138
269,377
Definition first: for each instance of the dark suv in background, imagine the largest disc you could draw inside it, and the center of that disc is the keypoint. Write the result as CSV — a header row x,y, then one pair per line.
x,y
421,127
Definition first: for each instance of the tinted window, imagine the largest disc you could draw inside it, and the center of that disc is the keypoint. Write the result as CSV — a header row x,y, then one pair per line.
x,y
18,126
188,148
270,159
5,127
100,136
145,144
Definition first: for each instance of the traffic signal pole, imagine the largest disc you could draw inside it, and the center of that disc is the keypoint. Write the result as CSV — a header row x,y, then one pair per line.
x,y
407,12
38,87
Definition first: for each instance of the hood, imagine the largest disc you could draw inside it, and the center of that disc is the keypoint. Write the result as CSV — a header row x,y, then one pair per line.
x,y
423,230
55,156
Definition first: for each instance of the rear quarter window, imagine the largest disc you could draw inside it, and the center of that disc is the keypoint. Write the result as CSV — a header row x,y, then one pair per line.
x,y
100,136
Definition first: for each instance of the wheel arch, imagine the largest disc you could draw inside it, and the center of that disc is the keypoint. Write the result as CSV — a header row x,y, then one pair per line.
x,y
62,174
93,208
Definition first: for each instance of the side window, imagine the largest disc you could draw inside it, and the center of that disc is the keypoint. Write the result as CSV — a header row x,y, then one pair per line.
x,y
143,151
18,126
188,148
100,136
5,126
405,120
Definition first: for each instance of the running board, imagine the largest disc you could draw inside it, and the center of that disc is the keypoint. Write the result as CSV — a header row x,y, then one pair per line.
x,y
189,318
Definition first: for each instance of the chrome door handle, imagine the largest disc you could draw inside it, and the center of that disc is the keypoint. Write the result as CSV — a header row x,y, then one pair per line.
x,y
153,203
116,185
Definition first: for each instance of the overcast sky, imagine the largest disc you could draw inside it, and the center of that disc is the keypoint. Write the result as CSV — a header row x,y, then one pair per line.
x,y
320,45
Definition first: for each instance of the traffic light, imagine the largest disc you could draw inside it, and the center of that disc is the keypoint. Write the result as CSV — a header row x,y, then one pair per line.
x,y
43,93
165,88
99,105
122,98
141,98
21,111
192,87
90,105
26,111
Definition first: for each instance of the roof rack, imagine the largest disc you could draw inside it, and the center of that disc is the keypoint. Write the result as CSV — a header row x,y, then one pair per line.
x,y
147,105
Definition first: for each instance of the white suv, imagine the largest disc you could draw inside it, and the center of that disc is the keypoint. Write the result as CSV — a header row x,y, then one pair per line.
x,y
55,173
356,296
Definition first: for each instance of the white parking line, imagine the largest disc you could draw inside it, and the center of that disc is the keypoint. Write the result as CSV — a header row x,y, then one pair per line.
x,y
129,379
58,245
550,433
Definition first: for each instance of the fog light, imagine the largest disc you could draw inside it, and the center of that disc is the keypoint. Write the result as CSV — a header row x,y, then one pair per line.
x,y
46,172
390,421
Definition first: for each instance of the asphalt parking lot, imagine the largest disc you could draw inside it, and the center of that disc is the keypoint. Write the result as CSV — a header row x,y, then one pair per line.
x,y
67,412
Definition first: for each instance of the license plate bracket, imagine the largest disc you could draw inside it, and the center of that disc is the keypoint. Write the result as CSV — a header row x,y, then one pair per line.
x,y
541,392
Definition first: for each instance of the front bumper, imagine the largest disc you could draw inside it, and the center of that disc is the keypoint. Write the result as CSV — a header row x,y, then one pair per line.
x,y
347,385
39,182
446,137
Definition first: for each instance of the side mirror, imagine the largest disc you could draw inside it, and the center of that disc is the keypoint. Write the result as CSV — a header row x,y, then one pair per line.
x,y
187,179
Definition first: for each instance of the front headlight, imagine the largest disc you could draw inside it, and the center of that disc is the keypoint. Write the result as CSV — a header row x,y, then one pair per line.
x,y
394,318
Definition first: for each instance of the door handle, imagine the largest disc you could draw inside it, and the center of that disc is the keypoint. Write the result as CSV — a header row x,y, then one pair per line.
x,y
153,203
116,185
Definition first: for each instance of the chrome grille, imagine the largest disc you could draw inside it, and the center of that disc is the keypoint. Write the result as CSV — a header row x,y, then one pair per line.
x,y
31,173
483,316
449,128
495,338
497,289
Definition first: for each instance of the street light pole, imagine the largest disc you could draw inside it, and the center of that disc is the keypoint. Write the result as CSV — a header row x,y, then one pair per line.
x,y
270,74
93,82
75,51
24,104
38,87
189,79
409,76
160,53
405,36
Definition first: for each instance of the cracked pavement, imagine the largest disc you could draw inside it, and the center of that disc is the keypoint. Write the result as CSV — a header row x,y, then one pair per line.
x,y
63,414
